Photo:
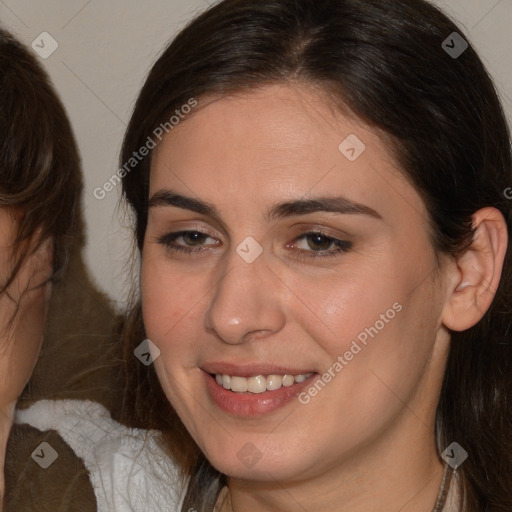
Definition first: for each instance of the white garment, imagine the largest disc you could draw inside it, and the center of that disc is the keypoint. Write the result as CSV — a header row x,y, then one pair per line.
x,y
129,471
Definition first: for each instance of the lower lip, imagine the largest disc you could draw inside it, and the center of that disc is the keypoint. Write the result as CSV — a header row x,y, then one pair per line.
x,y
253,404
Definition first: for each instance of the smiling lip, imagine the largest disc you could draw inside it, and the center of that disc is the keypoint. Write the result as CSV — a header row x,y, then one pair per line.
x,y
252,404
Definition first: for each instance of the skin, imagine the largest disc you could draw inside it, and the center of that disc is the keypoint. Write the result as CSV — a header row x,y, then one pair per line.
x,y
25,300
366,441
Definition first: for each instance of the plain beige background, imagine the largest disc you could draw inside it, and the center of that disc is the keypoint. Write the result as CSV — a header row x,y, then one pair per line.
x,y
105,49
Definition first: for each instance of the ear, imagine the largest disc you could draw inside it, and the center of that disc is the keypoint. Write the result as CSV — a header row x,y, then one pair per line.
x,y
477,273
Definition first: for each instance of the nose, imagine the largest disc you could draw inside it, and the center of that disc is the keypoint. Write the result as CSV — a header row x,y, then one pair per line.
x,y
247,302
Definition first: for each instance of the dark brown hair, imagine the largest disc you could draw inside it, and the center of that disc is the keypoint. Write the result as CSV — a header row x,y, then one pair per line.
x,y
40,175
382,60
40,182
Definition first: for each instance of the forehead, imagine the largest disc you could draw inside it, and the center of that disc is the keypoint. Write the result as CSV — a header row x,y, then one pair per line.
x,y
269,120
277,141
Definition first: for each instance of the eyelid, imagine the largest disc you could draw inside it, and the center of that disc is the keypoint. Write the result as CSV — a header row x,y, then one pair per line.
x,y
326,230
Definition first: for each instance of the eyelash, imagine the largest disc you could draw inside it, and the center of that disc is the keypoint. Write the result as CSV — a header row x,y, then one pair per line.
x,y
341,246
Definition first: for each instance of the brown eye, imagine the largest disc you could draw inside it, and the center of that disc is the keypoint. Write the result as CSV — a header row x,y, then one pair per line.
x,y
193,241
317,244
193,237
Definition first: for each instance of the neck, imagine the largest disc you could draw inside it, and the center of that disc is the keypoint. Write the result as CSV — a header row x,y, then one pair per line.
x,y
403,474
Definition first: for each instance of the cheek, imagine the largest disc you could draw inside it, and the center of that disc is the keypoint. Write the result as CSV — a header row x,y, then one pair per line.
x,y
170,302
170,307
351,305
373,324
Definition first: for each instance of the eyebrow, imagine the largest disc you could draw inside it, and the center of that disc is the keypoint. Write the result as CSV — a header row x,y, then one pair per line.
x,y
329,204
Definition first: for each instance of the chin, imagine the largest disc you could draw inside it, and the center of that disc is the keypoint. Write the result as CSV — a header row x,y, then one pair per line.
x,y
244,460
260,472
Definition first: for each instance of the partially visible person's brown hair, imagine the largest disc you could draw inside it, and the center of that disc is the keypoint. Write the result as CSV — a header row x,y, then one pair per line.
x,y
382,60
40,178
40,183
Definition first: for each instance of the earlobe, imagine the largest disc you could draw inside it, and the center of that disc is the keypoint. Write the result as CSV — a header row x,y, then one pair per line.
x,y
478,272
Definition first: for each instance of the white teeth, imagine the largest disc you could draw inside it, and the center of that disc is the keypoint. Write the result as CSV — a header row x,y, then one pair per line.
x,y
226,381
274,382
289,380
239,384
259,383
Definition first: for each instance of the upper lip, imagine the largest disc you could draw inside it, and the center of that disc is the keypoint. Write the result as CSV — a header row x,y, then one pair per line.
x,y
251,370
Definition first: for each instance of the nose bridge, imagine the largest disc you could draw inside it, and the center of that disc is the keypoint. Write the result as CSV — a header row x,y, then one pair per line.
x,y
244,300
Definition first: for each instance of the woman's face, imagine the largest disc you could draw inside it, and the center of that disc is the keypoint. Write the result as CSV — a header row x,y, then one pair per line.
x,y
305,275
23,308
